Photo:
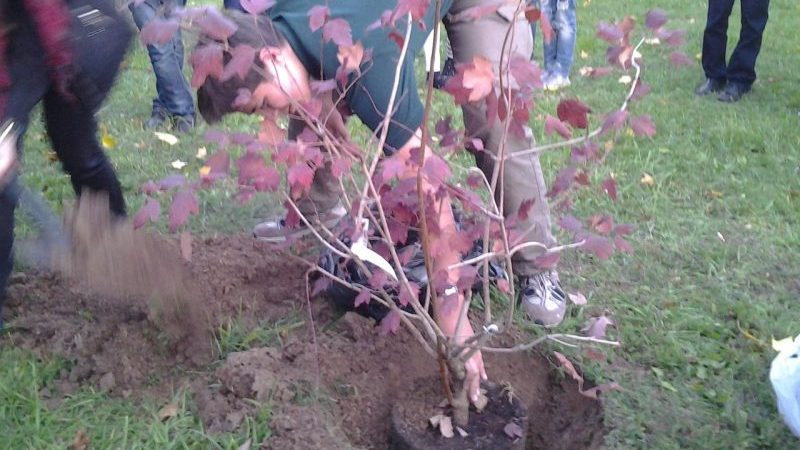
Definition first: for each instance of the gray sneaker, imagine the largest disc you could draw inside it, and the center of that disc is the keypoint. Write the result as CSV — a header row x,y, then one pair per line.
x,y
275,231
543,299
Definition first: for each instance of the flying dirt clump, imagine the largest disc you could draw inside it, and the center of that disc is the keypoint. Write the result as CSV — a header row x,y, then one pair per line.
x,y
134,268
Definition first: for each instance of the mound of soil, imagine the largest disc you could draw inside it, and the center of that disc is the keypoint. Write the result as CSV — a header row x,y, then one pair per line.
x,y
329,389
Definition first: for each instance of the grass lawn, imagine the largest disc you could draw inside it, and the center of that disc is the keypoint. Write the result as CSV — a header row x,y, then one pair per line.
x,y
714,276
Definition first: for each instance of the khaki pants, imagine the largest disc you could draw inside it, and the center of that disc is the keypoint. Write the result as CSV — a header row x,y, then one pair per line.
x,y
522,179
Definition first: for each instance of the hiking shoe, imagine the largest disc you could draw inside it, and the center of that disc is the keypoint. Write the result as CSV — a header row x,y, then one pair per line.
x,y
554,82
183,124
276,231
733,92
157,119
710,86
440,78
543,299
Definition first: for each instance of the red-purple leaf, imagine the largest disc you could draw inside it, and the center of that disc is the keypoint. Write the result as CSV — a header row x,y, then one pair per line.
x,y
640,90
149,188
321,87
643,126
338,31
299,177
513,430
574,112
525,209
532,14
206,61
417,8
267,179
609,186
623,245
599,246
149,213
547,260
171,181
184,203
390,323
680,59
478,78
436,169
563,181
624,229
158,31
240,64
609,33
407,297
552,124
599,72
614,121
256,7
250,166
363,297
602,223
215,24
317,16
569,223
526,72
220,163
655,19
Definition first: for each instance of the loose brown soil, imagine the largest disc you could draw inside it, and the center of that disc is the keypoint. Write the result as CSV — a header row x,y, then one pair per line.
x,y
330,389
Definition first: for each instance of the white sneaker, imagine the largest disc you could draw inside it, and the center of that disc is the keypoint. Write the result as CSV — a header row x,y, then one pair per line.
x,y
555,82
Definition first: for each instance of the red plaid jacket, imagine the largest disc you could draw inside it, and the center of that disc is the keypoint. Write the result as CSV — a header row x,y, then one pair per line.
x,y
52,21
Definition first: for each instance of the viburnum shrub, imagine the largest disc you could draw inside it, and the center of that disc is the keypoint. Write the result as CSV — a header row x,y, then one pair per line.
x,y
384,206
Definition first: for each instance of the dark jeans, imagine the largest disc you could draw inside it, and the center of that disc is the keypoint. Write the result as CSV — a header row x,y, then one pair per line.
x,y
173,95
70,125
741,68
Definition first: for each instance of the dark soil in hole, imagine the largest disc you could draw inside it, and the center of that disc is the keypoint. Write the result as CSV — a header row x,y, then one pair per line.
x,y
329,391
499,426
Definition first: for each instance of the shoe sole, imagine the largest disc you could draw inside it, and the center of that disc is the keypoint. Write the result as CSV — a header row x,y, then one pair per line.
x,y
301,232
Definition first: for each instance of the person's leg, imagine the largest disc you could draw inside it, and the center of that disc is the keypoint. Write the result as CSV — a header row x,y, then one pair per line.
x,y
522,178
565,24
322,203
173,94
742,65
715,39
549,48
235,5
72,130
29,82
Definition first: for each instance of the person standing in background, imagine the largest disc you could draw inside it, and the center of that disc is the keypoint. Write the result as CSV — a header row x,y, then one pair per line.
x,y
731,82
559,51
173,100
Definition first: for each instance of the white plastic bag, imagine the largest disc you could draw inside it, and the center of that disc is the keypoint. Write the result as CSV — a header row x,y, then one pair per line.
x,y
784,374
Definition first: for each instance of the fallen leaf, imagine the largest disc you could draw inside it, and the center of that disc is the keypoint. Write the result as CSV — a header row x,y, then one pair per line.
x,y
246,445
201,153
584,55
205,170
578,299
168,411
166,137
81,441
720,236
513,430
108,141
446,427
461,432
625,79
178,164
436,420
647,180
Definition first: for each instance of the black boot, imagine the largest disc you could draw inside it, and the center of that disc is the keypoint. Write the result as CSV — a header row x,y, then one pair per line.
x,y
441,77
